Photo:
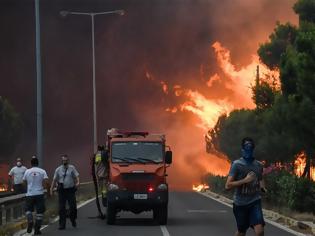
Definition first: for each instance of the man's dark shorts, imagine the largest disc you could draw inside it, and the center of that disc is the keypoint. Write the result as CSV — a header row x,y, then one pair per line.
x,y
248,216
37,202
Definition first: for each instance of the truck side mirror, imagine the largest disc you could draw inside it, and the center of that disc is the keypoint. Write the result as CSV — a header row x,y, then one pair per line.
x,y
168,157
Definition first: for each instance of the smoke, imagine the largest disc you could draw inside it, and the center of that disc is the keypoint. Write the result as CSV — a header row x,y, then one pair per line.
x,y
170,39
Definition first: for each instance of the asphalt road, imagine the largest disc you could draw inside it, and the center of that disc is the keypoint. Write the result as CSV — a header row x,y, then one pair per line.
x,y
190,214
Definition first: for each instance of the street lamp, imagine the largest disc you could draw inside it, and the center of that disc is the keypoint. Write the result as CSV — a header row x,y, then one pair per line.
x,y
92,14
39,92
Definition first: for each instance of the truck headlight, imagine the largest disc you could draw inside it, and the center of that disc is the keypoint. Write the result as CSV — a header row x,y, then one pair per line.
x,y
112,187
162,187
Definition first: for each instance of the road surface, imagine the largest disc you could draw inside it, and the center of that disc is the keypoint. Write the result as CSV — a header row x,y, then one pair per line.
x,y
190,214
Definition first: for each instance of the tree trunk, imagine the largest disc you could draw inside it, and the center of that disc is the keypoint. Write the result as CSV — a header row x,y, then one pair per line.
x,y
307,169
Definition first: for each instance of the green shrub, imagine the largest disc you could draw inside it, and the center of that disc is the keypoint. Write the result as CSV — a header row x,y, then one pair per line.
x,y
289,191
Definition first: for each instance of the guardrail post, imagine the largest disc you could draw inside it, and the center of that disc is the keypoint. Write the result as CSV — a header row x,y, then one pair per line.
x,y
3,215
9,214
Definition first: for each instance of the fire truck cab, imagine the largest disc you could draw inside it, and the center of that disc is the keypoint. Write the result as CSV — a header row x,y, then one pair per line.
x,y
137,174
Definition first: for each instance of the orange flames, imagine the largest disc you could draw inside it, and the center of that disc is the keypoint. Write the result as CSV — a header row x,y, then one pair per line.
x,y
3,188
200,187
240,83
300,164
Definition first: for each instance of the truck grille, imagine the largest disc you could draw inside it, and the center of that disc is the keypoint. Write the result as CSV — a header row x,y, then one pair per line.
x,y
137,176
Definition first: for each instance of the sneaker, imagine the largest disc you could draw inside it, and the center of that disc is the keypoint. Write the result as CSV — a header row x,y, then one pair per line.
x,y
29,227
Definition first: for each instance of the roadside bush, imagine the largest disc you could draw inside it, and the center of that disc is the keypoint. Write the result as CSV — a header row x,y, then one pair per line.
x,y
304,196
289,191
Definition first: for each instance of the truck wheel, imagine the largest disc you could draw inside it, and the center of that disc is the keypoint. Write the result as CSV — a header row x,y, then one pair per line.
x,y
111,214
160,215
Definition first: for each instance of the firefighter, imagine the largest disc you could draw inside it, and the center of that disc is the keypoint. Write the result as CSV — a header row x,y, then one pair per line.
x,y
101,167
17,173
67,179
246,177
36,180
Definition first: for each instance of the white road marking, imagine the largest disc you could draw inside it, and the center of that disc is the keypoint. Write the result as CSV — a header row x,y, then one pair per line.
x,y
164,230
206,211
268,221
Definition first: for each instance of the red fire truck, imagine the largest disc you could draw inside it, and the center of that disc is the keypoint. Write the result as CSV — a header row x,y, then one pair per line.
x,y
137,174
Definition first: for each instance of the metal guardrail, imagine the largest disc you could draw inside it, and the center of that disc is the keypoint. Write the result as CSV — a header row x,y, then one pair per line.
x,y
12,207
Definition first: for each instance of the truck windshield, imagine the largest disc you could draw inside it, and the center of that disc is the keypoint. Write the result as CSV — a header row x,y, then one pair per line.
x,y
137,152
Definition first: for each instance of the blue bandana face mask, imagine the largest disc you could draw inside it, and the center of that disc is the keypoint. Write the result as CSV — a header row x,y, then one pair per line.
x,y
247,152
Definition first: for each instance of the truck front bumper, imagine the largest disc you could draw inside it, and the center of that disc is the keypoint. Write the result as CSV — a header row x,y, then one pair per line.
x,y
129,201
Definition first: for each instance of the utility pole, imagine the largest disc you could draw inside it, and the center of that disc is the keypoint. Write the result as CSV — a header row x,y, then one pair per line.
x,y
39,111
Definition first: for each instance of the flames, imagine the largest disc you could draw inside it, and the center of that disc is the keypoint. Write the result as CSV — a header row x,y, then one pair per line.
x,y
237,81
3,188
300,164
200,187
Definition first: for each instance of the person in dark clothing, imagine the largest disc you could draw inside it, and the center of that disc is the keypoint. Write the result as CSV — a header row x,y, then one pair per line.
x,y
67,179
246,177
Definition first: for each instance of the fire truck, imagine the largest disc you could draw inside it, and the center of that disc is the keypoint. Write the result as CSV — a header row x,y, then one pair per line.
x,y
137,174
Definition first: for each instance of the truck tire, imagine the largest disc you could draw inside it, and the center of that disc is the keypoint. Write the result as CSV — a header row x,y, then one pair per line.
x,y
160,215
111,214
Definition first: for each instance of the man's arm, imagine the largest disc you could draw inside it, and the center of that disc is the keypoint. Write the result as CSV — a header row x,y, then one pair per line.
x,y
77,181
76,177
54,181
52,186
230,183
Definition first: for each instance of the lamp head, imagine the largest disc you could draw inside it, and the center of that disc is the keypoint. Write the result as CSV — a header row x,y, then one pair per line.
x,y
121,12
64,13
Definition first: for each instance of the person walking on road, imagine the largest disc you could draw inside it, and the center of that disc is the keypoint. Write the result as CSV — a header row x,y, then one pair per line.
x,y
36,180
17,173
246,177
67,179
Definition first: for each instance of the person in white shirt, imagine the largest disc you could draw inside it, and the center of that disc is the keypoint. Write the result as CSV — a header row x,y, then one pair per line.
x,y
67,179
36,180
17,173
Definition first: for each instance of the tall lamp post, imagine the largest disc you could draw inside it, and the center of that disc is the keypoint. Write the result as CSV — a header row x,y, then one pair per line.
x,y
39,103
92,15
